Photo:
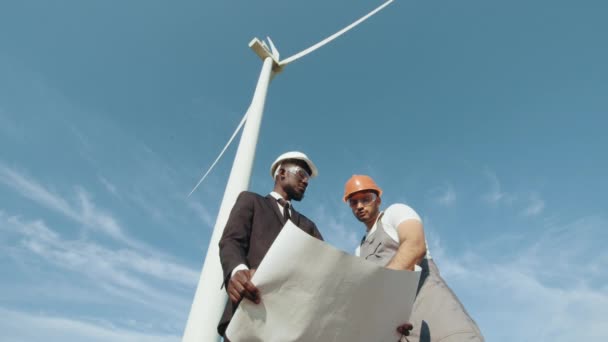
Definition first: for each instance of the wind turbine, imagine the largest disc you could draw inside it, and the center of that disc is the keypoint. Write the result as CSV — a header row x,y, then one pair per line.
x,y
210,299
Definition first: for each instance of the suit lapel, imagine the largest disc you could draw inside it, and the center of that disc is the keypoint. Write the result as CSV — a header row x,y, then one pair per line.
x,y
295,216
271,202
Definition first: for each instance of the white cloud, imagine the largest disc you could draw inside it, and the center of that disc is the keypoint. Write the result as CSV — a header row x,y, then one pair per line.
x,y
535,205
335,230
21,326
202,213
111,188
94,217
447,196
117,266
84,211
138,277
33,191
88,214
541,288
150,205
495,194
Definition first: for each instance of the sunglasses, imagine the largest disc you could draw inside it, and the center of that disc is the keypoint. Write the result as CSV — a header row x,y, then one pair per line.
x,y
298,171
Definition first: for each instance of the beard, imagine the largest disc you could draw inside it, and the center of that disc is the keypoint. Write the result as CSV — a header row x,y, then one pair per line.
x,y
294,194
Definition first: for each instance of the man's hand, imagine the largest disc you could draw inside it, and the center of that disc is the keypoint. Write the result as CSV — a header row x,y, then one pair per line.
x,y
405,328
240,286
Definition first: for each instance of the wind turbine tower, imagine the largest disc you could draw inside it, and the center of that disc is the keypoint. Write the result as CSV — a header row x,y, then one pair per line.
x,y
210,299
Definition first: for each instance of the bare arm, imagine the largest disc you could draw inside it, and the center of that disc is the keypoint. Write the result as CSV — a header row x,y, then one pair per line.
x,y
412,246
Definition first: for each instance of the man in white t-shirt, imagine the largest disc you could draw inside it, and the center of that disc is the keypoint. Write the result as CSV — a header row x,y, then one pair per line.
x,y
395,239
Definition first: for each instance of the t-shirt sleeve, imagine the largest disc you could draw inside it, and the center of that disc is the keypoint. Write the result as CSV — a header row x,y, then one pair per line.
x,y
397,213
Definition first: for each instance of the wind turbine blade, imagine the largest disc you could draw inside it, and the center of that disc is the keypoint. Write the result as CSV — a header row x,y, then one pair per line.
x,y
333,36
221,153
273,49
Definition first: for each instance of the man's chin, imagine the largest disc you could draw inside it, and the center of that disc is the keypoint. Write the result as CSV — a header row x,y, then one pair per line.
x,y
361,217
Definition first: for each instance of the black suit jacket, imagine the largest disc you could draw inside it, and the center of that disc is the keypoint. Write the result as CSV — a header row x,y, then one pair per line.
x,y
252,227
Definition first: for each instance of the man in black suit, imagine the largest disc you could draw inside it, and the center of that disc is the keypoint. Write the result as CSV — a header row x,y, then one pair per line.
x,y
254,223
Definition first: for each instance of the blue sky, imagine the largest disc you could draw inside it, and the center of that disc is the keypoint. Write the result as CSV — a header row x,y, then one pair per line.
x,y
488,118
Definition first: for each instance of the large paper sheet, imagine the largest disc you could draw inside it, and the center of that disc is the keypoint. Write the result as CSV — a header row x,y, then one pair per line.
x,y
312,291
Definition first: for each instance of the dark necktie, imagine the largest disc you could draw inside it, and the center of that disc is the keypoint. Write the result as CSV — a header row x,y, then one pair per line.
x,y
285,205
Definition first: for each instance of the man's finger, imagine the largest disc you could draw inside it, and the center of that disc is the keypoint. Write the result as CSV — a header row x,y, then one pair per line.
x,y
253,292
253,296
238,287
244,287
234,295
251,288
241,276
405,328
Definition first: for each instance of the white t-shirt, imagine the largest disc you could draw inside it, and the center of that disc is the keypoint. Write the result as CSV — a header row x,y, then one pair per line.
x,y
391,218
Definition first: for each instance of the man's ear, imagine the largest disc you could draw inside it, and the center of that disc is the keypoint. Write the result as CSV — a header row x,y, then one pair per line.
x,y
281,173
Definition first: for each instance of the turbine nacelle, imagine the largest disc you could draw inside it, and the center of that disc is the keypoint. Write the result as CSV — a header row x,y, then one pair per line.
x,y
263,51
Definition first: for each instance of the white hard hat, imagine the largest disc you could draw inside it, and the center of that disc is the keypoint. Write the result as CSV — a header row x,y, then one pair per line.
x,y
294,155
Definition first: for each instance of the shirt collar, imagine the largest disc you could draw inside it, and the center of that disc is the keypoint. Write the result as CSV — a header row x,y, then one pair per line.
x,y
276,196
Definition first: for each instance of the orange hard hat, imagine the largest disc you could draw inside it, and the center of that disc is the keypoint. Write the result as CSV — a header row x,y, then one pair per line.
x,y
359,183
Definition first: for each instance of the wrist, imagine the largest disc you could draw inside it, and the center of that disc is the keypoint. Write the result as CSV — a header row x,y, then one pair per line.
x,y
239,267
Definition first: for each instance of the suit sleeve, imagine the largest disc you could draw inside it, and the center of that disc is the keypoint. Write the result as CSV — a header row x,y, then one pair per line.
x,y
315,232
234,243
